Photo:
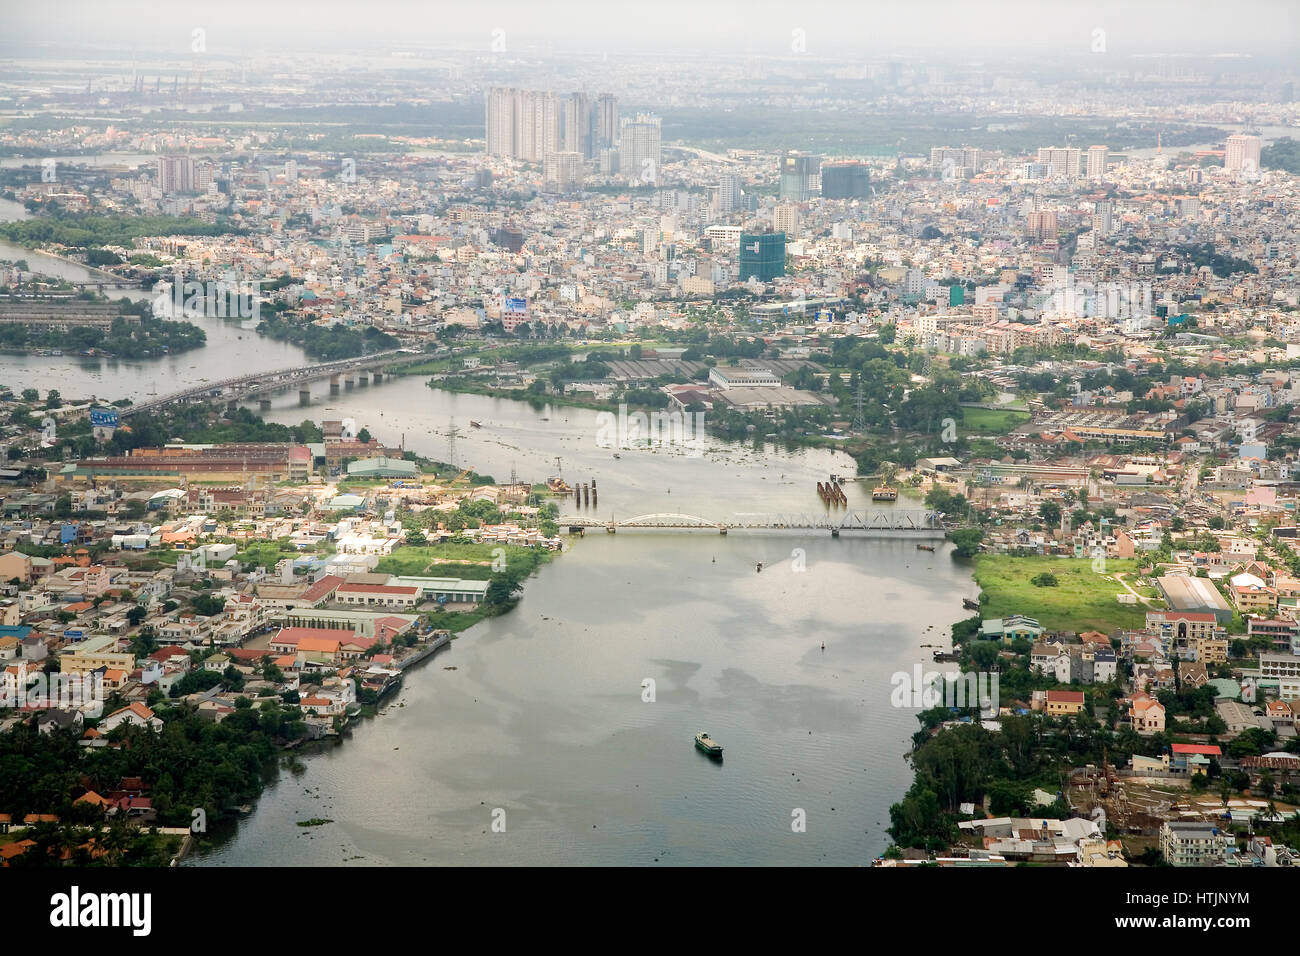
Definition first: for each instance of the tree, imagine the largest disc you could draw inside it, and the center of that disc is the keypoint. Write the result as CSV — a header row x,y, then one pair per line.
x,y
136,615
1050,512
363,436
966,541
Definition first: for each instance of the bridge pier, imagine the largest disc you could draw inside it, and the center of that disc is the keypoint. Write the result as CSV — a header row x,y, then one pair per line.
x,y
334,385
349,381
835,532
377,377
304,396
362,380
264,404
610,529
722,529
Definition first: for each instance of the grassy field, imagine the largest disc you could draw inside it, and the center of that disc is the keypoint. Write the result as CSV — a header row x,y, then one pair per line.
x,y
988,421
472,561
1083,600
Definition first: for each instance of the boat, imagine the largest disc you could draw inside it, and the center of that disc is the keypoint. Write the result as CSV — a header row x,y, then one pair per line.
x,y
558,486
707,744
618,456
942,657
970,604
925,547
475,424
884,493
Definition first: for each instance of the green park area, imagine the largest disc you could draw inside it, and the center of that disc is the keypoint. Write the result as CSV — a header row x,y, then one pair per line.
x,y
992,421
461,560
1080,600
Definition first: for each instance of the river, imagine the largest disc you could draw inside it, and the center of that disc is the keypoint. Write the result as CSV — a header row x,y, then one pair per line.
x,y
233,348
541,714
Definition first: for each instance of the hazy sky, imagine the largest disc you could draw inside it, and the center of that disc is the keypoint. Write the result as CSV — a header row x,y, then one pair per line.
x,y
723,27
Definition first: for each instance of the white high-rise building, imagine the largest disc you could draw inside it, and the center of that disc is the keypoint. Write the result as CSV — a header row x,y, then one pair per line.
x,y
1242,152
1102,214
639,155
1098,156
501,121
785,218
524,124
562,171
1063,161
728,193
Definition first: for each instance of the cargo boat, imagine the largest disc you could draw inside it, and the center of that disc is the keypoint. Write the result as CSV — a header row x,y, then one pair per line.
x,y
706,743
884,493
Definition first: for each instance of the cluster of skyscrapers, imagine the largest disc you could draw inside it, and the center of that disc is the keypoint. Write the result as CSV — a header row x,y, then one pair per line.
x,y
565,132
529,124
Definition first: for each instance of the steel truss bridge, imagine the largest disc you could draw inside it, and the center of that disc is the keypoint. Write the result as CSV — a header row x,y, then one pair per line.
x,y
902,521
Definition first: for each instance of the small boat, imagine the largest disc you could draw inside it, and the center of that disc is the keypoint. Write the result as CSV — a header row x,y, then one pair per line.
x,y
759,569
884,493
970,604
925,547
618,456
475,424
707,744
942,657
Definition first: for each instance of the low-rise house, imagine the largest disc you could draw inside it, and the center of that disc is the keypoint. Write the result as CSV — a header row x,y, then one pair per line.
x,y
135,715
1192,844
1146,715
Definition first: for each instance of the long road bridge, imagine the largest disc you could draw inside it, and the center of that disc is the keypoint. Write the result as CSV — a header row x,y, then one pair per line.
x,y
878,522
260,385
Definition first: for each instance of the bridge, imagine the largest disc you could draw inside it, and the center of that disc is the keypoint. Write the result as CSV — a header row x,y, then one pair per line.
x,y
261,384
878,522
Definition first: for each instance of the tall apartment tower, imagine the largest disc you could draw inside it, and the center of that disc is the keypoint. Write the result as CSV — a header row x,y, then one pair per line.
x,y
175,174
1098,156
1242,152
607,127
501,121
728,193
639,141
1063,161
578,117
1102,216
785,218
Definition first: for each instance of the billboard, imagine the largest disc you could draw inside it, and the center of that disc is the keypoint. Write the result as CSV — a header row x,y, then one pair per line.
x,y
516,305
103,417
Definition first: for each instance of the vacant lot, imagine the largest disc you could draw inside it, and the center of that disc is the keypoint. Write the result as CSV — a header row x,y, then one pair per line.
x,y
1082,600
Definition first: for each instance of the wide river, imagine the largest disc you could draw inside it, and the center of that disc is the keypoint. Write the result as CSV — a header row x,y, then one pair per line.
x,y
537,718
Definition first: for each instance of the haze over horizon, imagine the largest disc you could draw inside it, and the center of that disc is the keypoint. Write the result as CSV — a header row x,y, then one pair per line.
x,y
1261,28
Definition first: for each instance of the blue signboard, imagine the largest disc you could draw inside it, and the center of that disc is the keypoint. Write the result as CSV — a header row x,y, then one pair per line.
x,y
516,305
103,417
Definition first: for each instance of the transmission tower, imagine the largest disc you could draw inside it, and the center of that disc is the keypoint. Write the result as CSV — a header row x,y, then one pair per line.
x,y
452,432
859,416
